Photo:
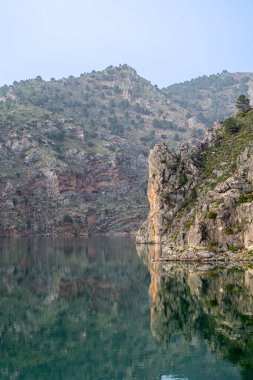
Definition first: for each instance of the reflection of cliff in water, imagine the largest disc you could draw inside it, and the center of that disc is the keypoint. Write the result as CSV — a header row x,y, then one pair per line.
x,y
65,268
206,302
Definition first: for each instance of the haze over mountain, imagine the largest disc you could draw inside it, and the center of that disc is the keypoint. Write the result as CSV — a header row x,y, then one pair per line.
x,y
165,41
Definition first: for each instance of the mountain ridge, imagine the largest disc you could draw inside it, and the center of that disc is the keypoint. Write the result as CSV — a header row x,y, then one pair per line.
x,y
74,151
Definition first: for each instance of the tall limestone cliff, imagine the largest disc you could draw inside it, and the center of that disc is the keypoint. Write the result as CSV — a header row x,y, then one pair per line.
x,y
201,198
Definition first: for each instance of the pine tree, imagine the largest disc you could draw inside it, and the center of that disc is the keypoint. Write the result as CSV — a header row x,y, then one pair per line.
x,y
243,104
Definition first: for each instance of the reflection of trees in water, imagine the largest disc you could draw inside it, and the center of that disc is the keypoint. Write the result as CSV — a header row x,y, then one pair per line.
x,y
73,302
83,304
55,268
204,301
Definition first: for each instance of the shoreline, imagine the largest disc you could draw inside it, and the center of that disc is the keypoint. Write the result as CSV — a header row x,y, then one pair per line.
x,y
66,235
160,254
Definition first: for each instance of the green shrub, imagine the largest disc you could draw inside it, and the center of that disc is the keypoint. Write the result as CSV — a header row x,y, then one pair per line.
x,y
183,179
244,198
67,218
56,135
229,230
174,238
250,197
213,303
117,89
243,104
164,124
212,245
231,126
193,195
188,224
230,288
211,215
166,196
235,249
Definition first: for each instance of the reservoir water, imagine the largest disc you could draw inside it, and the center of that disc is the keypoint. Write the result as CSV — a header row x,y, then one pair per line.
x,y
96,309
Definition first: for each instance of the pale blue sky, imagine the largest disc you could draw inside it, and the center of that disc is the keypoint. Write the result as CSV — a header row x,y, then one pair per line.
x,y
166,41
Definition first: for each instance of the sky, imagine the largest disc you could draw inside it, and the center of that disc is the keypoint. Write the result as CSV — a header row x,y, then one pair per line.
x,y
166,41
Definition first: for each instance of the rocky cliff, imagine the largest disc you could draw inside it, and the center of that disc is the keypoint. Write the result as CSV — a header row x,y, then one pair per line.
x,y
72,150
201,198
69,162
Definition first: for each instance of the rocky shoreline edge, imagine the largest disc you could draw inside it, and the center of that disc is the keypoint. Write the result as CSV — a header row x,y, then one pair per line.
x,y
206,256
158,253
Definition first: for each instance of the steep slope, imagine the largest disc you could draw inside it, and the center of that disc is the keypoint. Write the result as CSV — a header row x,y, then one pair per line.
x,y
72,151
115,101
201,197
211,98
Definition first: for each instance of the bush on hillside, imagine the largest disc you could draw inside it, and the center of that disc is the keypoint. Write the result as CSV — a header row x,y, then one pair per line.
x,y
231,126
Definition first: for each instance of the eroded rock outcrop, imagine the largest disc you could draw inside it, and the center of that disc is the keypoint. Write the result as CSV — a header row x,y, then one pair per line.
x,y
63,199
198,204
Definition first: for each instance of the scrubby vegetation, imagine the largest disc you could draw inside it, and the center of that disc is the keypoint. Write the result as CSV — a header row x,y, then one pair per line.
x,y
115,101
96,131
223,155
210,98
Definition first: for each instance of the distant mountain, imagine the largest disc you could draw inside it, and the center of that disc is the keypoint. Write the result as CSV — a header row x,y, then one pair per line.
x,y
211,98
74,151
116,102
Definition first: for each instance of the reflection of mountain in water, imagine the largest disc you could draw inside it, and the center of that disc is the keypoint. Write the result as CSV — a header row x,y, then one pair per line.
x,y
79,309
64,268
214,304
67,306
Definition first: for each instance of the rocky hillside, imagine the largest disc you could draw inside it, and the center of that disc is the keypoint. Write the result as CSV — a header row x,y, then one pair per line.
x,y
72,151
211,98
201,197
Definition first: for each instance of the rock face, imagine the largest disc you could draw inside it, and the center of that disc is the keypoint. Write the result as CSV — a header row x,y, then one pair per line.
x,y
55,199
74,151
69,162
171,176
198,201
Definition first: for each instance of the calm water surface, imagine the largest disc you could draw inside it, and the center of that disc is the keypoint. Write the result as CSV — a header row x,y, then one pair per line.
x,y
97,309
